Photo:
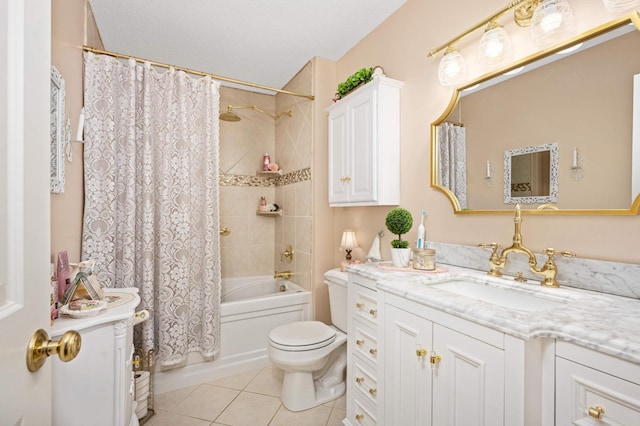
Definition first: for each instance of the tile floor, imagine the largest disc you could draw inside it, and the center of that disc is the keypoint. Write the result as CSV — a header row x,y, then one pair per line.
x,y
251,398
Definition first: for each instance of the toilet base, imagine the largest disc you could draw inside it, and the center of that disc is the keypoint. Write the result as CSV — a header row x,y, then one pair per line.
x,y
300,391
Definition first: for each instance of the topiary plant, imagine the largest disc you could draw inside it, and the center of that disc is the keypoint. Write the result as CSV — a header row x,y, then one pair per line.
x,y
399,221
363,75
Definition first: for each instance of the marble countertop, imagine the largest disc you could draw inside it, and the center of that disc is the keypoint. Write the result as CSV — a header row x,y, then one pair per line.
x,y
606,323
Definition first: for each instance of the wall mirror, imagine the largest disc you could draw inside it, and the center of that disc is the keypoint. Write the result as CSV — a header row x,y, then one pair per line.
x,y
575,96
531,175
57,131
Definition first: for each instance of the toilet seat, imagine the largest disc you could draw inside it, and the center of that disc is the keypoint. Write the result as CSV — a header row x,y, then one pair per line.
x,y
302,336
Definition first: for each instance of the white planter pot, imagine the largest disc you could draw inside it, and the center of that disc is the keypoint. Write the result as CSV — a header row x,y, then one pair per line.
x,y
401,257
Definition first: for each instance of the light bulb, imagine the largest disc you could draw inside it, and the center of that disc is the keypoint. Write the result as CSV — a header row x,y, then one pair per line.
x,y
452,69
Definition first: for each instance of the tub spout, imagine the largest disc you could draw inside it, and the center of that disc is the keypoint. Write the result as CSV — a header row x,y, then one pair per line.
x,y
284,274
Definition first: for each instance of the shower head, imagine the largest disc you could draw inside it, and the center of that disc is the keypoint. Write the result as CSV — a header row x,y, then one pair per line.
x,y
229,115
232,116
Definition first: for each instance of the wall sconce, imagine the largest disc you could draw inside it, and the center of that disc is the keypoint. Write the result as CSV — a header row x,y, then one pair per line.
x,y
348,242
488,176
549,21
577,170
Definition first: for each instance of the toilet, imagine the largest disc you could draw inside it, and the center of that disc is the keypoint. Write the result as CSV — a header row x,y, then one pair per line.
x,y
312,354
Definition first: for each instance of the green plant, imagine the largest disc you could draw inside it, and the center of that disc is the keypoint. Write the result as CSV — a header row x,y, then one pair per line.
x,y
363,75
399,221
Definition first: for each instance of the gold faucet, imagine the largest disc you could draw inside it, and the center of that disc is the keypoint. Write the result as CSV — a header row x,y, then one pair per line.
x,y
284,274
549,270
287,254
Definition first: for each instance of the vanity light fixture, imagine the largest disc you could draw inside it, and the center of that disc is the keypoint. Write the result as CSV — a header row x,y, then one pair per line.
x,y
576,170
348,242
550,20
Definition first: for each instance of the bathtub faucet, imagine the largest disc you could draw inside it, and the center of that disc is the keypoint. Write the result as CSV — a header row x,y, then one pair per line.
x,y
284,274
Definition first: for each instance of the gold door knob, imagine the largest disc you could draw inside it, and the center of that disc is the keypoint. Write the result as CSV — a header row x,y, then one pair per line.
x,y
359,417
373,351
359,342
40,347
359,379
373,391
596,412
421,352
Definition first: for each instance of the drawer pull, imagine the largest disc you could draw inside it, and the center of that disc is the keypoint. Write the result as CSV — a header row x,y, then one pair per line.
x,y
373,312
359,417
359,379
359,305
359,342
373,391
596,412
373,351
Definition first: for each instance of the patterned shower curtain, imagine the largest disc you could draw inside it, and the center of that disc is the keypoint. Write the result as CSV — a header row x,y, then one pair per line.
x,y
452,171
151,216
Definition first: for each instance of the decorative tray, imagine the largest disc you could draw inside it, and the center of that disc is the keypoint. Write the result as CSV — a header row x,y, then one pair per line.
x,y
83,308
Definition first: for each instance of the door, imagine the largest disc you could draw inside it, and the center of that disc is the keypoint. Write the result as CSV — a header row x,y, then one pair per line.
x,y
25,63
407,370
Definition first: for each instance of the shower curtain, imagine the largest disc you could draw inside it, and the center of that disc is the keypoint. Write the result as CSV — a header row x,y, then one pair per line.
x,y
151,216
452,171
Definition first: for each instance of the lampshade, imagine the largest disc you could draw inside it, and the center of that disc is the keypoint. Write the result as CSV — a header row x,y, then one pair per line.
x,y
348,242
495,46
452,69
552,21
617,6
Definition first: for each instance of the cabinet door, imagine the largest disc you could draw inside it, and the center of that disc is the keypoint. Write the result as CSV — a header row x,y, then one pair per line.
x,y
468,381
407,375
363,165
339,179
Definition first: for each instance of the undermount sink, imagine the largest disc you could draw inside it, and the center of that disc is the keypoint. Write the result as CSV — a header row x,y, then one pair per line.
x,y
507,297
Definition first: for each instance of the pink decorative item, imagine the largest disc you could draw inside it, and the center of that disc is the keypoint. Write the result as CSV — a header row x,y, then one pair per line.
x,y
273,167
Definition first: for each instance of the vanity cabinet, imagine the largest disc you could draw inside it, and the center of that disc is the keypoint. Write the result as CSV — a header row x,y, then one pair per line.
x,y
436,375
364,146
594,389
362,352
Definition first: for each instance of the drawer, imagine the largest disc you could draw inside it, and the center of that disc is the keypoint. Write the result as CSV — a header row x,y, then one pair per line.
x,y
366,343
366,305
364,414
582,391
364,381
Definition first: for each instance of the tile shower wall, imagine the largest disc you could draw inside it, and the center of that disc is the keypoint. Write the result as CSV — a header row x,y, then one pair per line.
x,y
294,143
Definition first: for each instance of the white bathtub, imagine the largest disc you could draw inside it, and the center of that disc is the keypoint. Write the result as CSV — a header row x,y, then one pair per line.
x,y
251,308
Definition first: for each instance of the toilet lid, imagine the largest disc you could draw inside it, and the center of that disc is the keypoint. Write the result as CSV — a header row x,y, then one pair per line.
x,y
302,336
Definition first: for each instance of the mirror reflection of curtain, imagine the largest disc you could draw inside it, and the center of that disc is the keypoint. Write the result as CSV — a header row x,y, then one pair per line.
x,y
151,199
452,172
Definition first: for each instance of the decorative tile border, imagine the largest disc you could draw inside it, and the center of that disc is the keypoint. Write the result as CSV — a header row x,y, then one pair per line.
x,y
266,181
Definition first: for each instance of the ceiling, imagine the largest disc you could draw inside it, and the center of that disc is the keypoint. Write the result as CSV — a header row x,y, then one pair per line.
x,y
263,42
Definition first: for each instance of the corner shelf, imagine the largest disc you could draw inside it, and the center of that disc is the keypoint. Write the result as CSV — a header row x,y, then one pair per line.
x,y
263,173
276,213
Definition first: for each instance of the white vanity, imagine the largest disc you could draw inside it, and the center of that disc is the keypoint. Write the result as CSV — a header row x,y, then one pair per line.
x,y
449,349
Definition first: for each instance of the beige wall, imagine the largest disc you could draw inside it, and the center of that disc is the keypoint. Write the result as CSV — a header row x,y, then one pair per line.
x,y
400,45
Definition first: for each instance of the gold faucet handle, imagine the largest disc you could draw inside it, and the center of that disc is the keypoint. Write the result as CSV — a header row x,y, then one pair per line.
x,y
551,252
493,246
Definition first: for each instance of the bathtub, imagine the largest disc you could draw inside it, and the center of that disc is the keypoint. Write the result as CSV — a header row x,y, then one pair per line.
x,y
251,307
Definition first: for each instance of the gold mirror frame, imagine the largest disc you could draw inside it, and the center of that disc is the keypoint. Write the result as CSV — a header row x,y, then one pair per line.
x,y
631,18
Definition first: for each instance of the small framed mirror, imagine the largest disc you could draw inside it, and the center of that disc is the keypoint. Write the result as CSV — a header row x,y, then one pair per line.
x,y
531,174
57,131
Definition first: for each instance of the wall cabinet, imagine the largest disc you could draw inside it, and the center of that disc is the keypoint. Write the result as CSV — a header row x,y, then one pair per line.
x,y
364,146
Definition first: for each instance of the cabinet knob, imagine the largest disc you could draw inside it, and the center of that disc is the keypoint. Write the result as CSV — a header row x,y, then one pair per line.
x,y
359,417
359,342
421,352
359,379
373,312
596,412
373,391
359,305
434,359
373,351
345,179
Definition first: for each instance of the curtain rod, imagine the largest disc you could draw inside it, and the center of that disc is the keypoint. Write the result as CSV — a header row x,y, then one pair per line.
x,y
200,73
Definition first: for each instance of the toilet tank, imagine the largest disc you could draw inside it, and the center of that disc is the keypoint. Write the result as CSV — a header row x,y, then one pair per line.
x,y
337,282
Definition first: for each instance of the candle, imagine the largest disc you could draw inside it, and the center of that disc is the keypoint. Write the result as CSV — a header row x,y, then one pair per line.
x,y
575,157
488,169
80,125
